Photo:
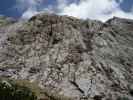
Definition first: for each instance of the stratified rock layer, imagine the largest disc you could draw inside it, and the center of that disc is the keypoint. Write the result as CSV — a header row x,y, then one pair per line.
x,y
82,59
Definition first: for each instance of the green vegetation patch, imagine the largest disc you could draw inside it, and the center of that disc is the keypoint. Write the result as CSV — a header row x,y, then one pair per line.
x,y
25,90
5,21
10,90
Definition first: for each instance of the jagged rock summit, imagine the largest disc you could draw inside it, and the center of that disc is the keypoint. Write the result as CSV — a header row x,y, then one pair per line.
x,y
81,59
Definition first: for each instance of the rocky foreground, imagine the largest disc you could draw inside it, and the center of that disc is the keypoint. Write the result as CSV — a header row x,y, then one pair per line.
x,y
80,59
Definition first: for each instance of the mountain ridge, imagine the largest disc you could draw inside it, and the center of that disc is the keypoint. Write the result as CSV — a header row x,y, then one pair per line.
x,y
82,59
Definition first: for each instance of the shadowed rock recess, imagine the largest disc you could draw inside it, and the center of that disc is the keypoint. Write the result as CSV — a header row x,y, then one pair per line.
x,y
81,59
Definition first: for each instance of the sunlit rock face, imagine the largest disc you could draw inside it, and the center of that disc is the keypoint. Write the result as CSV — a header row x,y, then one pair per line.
x,y
81,59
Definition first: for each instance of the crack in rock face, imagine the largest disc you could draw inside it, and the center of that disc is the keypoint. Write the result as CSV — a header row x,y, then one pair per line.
x,y
82,59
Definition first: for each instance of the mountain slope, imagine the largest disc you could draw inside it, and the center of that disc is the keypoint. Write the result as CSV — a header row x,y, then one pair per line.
x,y
78,58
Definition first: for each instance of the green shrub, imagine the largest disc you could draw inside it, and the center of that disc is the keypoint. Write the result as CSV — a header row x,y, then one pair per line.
x,y
122,98
12,91
25,90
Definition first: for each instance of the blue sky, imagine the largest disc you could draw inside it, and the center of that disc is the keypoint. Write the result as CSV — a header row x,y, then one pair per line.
x,y
8,7
126,5
93,9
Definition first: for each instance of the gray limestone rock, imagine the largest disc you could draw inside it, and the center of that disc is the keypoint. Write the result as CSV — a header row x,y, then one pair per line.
x,y
82,59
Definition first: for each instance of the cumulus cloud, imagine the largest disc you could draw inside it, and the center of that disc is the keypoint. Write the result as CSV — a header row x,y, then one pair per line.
x,y
28,6
29,13
93,9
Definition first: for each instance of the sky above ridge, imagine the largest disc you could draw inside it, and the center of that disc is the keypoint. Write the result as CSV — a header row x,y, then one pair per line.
x,y
93,9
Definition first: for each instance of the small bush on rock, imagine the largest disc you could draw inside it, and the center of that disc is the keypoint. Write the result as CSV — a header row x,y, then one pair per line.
x,y
122,98
12,91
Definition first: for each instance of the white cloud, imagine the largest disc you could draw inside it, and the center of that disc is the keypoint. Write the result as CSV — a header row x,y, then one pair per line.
x,y
29,7
28,13
93,9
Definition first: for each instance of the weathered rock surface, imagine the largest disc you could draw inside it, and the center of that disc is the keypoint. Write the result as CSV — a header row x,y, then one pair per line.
x,y
82,59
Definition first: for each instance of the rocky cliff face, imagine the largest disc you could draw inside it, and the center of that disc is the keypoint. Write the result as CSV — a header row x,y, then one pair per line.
x,y
81,59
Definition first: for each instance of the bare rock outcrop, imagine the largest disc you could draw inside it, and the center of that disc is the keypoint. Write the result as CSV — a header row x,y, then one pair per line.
x,y
82,59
